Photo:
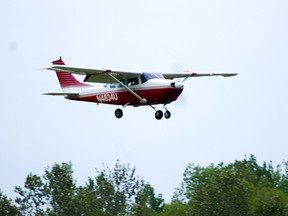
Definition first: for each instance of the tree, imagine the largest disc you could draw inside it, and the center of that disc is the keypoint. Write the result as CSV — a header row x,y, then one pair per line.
x,y
112,192
7,208
269,201
52,194
215,191
60,189
239,188
32,196
117,189
175,208
147,203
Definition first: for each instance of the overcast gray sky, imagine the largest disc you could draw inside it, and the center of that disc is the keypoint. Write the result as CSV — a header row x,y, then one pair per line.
x,y
217,119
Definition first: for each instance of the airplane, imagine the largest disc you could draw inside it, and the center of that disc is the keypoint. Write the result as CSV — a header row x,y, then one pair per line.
x,y
123,88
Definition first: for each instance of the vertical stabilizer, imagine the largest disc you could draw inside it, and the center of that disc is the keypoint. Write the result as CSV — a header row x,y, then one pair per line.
x,y
67,80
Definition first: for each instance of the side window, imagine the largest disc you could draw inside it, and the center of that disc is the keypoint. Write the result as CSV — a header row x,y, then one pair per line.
x,y
113,85
132,81
122,81
117,85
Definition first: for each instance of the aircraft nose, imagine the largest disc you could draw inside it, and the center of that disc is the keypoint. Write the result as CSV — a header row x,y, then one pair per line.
x,y
177,85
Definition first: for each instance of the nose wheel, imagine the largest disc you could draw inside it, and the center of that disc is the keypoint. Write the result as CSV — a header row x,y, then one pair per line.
x,y
159,113
167,114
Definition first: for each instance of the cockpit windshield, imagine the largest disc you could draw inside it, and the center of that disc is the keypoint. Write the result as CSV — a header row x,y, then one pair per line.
x,y
147,76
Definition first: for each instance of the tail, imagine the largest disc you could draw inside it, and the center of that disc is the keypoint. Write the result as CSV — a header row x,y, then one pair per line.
x,y
67,80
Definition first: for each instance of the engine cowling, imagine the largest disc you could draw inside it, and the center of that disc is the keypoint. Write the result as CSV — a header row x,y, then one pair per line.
x,y
177,85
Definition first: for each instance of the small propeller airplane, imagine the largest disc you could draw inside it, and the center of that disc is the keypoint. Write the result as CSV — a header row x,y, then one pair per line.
x,y
123,88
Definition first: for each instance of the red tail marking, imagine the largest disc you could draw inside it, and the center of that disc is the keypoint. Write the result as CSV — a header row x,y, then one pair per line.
x,y
67,79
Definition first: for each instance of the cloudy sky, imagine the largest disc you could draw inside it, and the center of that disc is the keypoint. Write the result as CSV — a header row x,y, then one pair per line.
x,y
216,119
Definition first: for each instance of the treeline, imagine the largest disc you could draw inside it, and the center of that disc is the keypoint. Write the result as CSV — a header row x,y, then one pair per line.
x,y
238,188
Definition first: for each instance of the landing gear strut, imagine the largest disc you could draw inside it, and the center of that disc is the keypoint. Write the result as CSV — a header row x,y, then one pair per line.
x,y
159,113
167,113
119,112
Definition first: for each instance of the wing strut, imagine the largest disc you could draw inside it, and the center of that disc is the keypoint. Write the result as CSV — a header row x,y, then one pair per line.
x,y
142,100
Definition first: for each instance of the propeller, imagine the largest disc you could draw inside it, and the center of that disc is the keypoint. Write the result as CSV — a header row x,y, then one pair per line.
x,y
178,67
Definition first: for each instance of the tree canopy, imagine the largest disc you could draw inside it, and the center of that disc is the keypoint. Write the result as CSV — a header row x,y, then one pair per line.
x,y
238,188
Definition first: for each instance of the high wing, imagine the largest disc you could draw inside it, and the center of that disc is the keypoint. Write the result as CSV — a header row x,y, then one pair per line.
x,y
106,75
96,75
169,75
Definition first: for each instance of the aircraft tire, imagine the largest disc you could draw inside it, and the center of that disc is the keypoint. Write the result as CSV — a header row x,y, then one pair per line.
x,y
118,113
158,114
167,114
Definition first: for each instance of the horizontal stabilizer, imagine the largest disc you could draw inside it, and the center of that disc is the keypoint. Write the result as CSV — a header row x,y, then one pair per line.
x,y
63,94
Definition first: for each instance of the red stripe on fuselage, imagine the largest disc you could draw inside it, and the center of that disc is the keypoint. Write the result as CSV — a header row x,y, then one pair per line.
x,y
122,97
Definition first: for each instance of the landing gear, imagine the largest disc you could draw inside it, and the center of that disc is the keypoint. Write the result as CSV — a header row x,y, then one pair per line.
x,y
158,114
167,114
118,113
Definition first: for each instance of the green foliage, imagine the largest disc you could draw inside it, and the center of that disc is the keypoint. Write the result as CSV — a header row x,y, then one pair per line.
x,y
32,197
50,195
60,189
111,192
215,191
269,201
147,203
175,208
238,188
7,208
116,189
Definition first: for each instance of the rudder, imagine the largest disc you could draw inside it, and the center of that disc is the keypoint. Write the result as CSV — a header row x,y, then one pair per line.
x,y
67,80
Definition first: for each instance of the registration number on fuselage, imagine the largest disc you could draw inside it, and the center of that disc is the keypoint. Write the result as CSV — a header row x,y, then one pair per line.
x,y
107,97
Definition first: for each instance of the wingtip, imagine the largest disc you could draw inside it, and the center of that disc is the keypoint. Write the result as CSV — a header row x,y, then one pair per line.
x,y
230,74
46,68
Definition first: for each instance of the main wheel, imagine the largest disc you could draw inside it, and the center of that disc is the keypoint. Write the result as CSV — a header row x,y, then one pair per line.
x,y
158,114
167,114
118,113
